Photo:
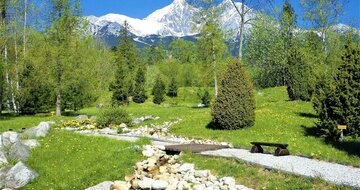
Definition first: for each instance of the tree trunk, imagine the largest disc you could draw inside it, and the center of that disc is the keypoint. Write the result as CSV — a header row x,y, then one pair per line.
x,y
215,69
242,25
58,97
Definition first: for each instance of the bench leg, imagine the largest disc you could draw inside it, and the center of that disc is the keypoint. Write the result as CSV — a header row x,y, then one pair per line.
x,y
281,152
256,149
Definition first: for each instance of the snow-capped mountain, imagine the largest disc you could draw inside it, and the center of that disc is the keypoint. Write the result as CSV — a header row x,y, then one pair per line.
x,y
172,21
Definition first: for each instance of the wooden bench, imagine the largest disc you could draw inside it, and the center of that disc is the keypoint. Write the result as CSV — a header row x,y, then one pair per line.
x,y
281,149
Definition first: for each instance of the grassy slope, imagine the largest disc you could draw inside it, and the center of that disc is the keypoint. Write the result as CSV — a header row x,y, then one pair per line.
x,y
70,161
277,120
256,177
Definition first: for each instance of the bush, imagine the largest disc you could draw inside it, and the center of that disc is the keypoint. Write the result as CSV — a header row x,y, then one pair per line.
x,y
234,107
113,116
172,92
205,98
159,91
337,101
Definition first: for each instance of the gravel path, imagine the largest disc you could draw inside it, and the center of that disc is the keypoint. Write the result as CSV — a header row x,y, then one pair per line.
x,y
332,172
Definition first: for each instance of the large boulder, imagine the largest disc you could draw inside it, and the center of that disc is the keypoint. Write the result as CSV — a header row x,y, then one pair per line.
x,y
18,176
31,143
3,160
81,117
39,131
106,185
19,152
9,138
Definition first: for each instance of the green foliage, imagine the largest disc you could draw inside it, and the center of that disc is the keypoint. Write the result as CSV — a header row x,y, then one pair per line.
x,y
159,91
337,101
299,77
182,50
72,161
173,88
265,54
205,98
113,116
234,107
139,91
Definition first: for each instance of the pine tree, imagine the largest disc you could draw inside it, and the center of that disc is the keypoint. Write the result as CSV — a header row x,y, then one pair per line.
x,y
172,91
139,91
159,91
338,101
120,88
234,108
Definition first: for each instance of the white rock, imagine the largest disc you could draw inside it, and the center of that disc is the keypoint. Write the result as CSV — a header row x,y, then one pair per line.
x,y
3,159
159,185
9,138
31,143
106,185
19,152
108,131
18,176
39,131
146,183
202,173
200,186
81,117
121,185
123,125
186,167
126,130
1,142
230,181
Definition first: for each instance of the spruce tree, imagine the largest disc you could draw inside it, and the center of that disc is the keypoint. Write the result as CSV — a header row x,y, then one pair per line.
x,y
139,91
234,108
338,101
159,91
119,88
172,91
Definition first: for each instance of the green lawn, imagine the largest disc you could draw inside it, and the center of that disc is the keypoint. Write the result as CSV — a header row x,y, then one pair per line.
x,y
66,160
277,120
257,177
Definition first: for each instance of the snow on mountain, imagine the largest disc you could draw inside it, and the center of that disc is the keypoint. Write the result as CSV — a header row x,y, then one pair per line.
x,y
174,20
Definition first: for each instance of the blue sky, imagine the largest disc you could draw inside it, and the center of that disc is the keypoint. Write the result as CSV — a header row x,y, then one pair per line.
x,y
142,8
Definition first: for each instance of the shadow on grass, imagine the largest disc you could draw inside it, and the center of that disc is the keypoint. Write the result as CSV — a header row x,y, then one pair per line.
x,y
307,115
351,146
211,125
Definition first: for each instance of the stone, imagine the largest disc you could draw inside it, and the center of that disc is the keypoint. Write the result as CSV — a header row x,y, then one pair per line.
x,y
200,186
146,183
186,167
106,185
9,138
148,151
120,185
39,131
230,181
202,173
129,177
3,160
31,143
159,185
19,152
81,117
201,105
18,176
126,130
123,125
1,142
93,118
108,131
135,184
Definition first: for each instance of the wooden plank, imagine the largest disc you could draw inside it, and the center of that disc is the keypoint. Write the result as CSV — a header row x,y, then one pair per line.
x,y
270,144
195,148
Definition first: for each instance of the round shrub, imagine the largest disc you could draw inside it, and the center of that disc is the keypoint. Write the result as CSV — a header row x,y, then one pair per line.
x,y
113,116
234,107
